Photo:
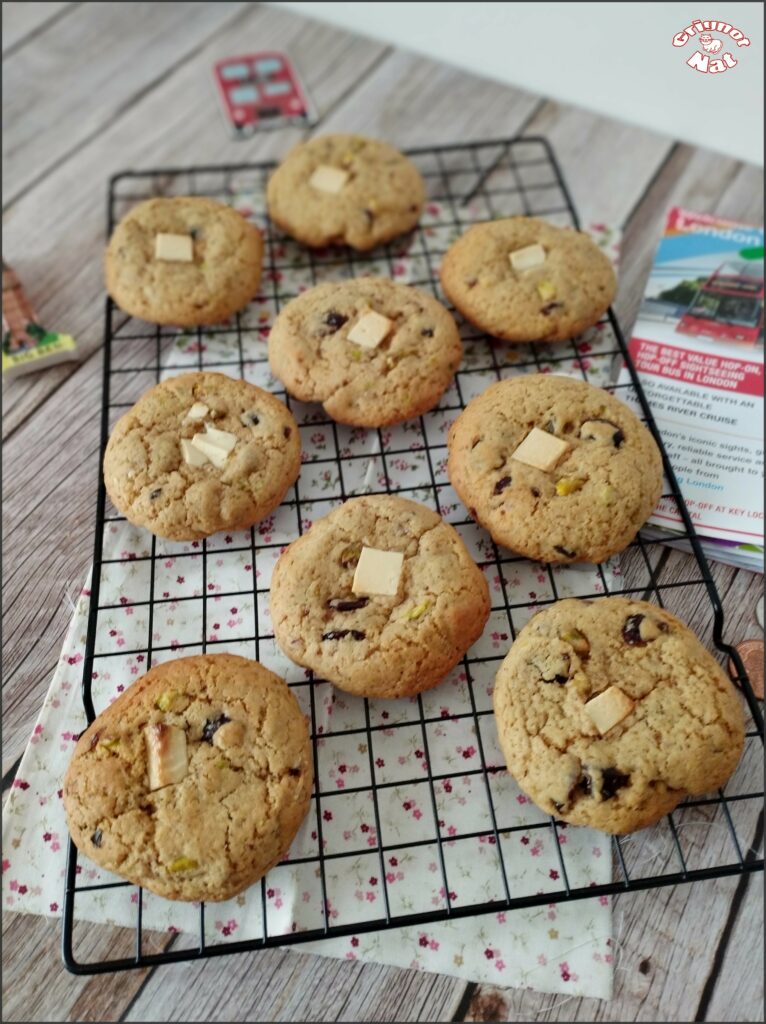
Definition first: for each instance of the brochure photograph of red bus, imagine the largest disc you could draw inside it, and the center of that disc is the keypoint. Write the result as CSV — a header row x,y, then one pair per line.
x,y
706,282
728,305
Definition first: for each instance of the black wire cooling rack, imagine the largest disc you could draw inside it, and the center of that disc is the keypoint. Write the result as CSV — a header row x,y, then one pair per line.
x,y
703,838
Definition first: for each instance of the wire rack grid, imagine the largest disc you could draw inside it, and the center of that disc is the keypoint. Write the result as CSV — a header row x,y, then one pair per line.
x,y
704,838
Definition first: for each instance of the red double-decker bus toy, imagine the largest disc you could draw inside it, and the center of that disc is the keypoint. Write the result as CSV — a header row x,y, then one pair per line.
x,y
729,305
262,90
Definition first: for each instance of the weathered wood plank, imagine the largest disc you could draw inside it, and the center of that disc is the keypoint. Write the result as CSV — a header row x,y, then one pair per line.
x,y
389,994
309,988
37,988
23,21
607,164
742,968
413,101
54,100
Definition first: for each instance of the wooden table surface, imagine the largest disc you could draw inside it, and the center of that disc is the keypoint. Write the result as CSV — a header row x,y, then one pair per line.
x,y
93,88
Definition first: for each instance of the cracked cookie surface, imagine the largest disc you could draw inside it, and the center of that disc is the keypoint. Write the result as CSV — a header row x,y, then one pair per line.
x,y
150,482
221,278
245,790
682,734
591,504
553,301
404,376
381,198
379,646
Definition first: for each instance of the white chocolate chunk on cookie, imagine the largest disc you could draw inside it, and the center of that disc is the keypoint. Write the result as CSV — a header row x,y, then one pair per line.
x,y
370,330
609,708
328,179
173,248
378,572
198,411
527,258
540,450
215,444
220,438
192,455
166,755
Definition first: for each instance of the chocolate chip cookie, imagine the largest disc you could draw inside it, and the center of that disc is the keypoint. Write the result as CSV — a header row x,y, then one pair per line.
x,y
199,453
345,190
610,712
195,780
522,279
555,468
380,597
373,352
184,260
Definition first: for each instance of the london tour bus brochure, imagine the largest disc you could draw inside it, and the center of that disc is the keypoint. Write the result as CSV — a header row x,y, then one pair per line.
x,y
698,348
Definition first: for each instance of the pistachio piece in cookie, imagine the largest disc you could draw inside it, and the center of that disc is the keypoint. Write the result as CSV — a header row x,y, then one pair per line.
x,y
199,453
372,352
380,597
629,729
554,468
522,279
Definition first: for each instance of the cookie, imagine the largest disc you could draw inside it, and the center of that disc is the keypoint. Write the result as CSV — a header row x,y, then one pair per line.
x,y
195,780
199,453
322,350
522,279
380,597
611,712
554,468
185,261
345,190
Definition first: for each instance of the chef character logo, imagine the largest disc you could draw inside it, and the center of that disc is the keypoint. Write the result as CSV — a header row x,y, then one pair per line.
x,y
712,54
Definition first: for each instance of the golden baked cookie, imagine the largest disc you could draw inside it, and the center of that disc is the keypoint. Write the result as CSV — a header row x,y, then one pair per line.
x,y
313,352
610,712
199,453
375,626
345,190
555,468
185,261
522,279
195,780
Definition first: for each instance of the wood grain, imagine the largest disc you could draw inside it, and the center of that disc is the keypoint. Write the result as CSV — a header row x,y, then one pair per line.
x,y
742,967
621,158
688,951
50,77
23,21
278,985
37,988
